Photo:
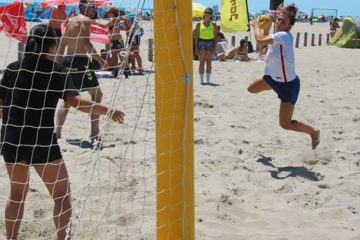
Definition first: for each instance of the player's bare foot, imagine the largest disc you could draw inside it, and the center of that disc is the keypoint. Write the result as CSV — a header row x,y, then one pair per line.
x,y
315,139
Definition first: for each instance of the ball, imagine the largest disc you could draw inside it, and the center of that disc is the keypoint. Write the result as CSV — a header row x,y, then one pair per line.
x,y
265,22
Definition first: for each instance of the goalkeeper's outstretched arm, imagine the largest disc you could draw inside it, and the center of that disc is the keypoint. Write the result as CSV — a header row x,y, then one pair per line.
x,y
87,105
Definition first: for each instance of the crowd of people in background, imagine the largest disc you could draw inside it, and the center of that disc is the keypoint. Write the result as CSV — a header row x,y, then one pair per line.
x,y
220,49
209,44
124,33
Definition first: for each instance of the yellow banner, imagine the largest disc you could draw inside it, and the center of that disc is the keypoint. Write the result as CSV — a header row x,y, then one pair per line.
x,y
234,16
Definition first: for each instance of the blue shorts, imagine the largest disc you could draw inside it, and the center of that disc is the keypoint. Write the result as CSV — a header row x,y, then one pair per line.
x,y
286,91
206,45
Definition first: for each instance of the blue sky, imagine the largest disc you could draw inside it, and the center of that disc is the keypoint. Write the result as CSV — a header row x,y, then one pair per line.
x,y
345,7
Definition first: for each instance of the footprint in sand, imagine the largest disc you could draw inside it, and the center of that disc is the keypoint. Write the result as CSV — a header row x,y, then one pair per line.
x,y
204,105
201,141
38,213
284,189
353,210
237,126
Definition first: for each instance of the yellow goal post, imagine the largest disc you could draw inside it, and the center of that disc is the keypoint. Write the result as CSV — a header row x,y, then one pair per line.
x,y
174,119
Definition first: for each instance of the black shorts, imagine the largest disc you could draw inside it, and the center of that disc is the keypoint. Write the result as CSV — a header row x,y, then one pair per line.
x,y
42,151
81,71
134,40
116,44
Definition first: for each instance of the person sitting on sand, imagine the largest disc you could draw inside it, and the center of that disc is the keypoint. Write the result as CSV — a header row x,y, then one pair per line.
x,y
222,45
280,72
241,53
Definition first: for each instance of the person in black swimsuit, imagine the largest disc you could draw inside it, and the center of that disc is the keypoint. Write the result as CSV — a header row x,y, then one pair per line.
x,y
29,92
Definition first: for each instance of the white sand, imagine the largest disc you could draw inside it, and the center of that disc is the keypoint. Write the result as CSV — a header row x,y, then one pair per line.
x,y
254,180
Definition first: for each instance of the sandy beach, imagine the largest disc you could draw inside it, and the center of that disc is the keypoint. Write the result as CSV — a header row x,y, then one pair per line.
x,y
253,180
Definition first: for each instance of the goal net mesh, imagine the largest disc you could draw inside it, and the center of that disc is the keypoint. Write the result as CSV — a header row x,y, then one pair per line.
x,y
113,182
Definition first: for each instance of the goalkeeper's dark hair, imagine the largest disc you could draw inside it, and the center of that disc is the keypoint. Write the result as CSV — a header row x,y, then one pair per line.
x,y
38,43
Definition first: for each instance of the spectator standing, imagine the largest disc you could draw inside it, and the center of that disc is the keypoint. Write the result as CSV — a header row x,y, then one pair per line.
x,y
205,44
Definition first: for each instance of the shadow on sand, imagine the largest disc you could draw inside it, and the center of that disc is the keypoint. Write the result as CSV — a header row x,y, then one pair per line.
x,y
88,144
211,84
292,171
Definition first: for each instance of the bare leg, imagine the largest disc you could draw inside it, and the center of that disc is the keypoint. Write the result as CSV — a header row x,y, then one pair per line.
x,y
56,179
61,114
113,59
208,62
135,50
202,59
19,186
286,122
202,62
208,65
96,95
259,85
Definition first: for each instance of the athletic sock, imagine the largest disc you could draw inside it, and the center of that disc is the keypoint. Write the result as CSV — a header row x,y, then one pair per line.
x,y
202,78
208,75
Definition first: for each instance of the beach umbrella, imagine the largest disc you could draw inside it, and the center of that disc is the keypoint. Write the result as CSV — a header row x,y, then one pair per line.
x,y
52,3
198,10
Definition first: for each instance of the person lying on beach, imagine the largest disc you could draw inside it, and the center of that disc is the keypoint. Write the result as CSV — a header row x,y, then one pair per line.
x,y
29,92
280,72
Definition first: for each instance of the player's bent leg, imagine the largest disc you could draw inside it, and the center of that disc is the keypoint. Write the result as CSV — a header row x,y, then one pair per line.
x,y
286,122
285,116
258,85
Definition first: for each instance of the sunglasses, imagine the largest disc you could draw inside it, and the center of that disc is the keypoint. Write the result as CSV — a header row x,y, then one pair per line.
x,y
209,13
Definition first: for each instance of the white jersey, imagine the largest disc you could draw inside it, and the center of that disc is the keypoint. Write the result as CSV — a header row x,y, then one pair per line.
x,y
280,60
